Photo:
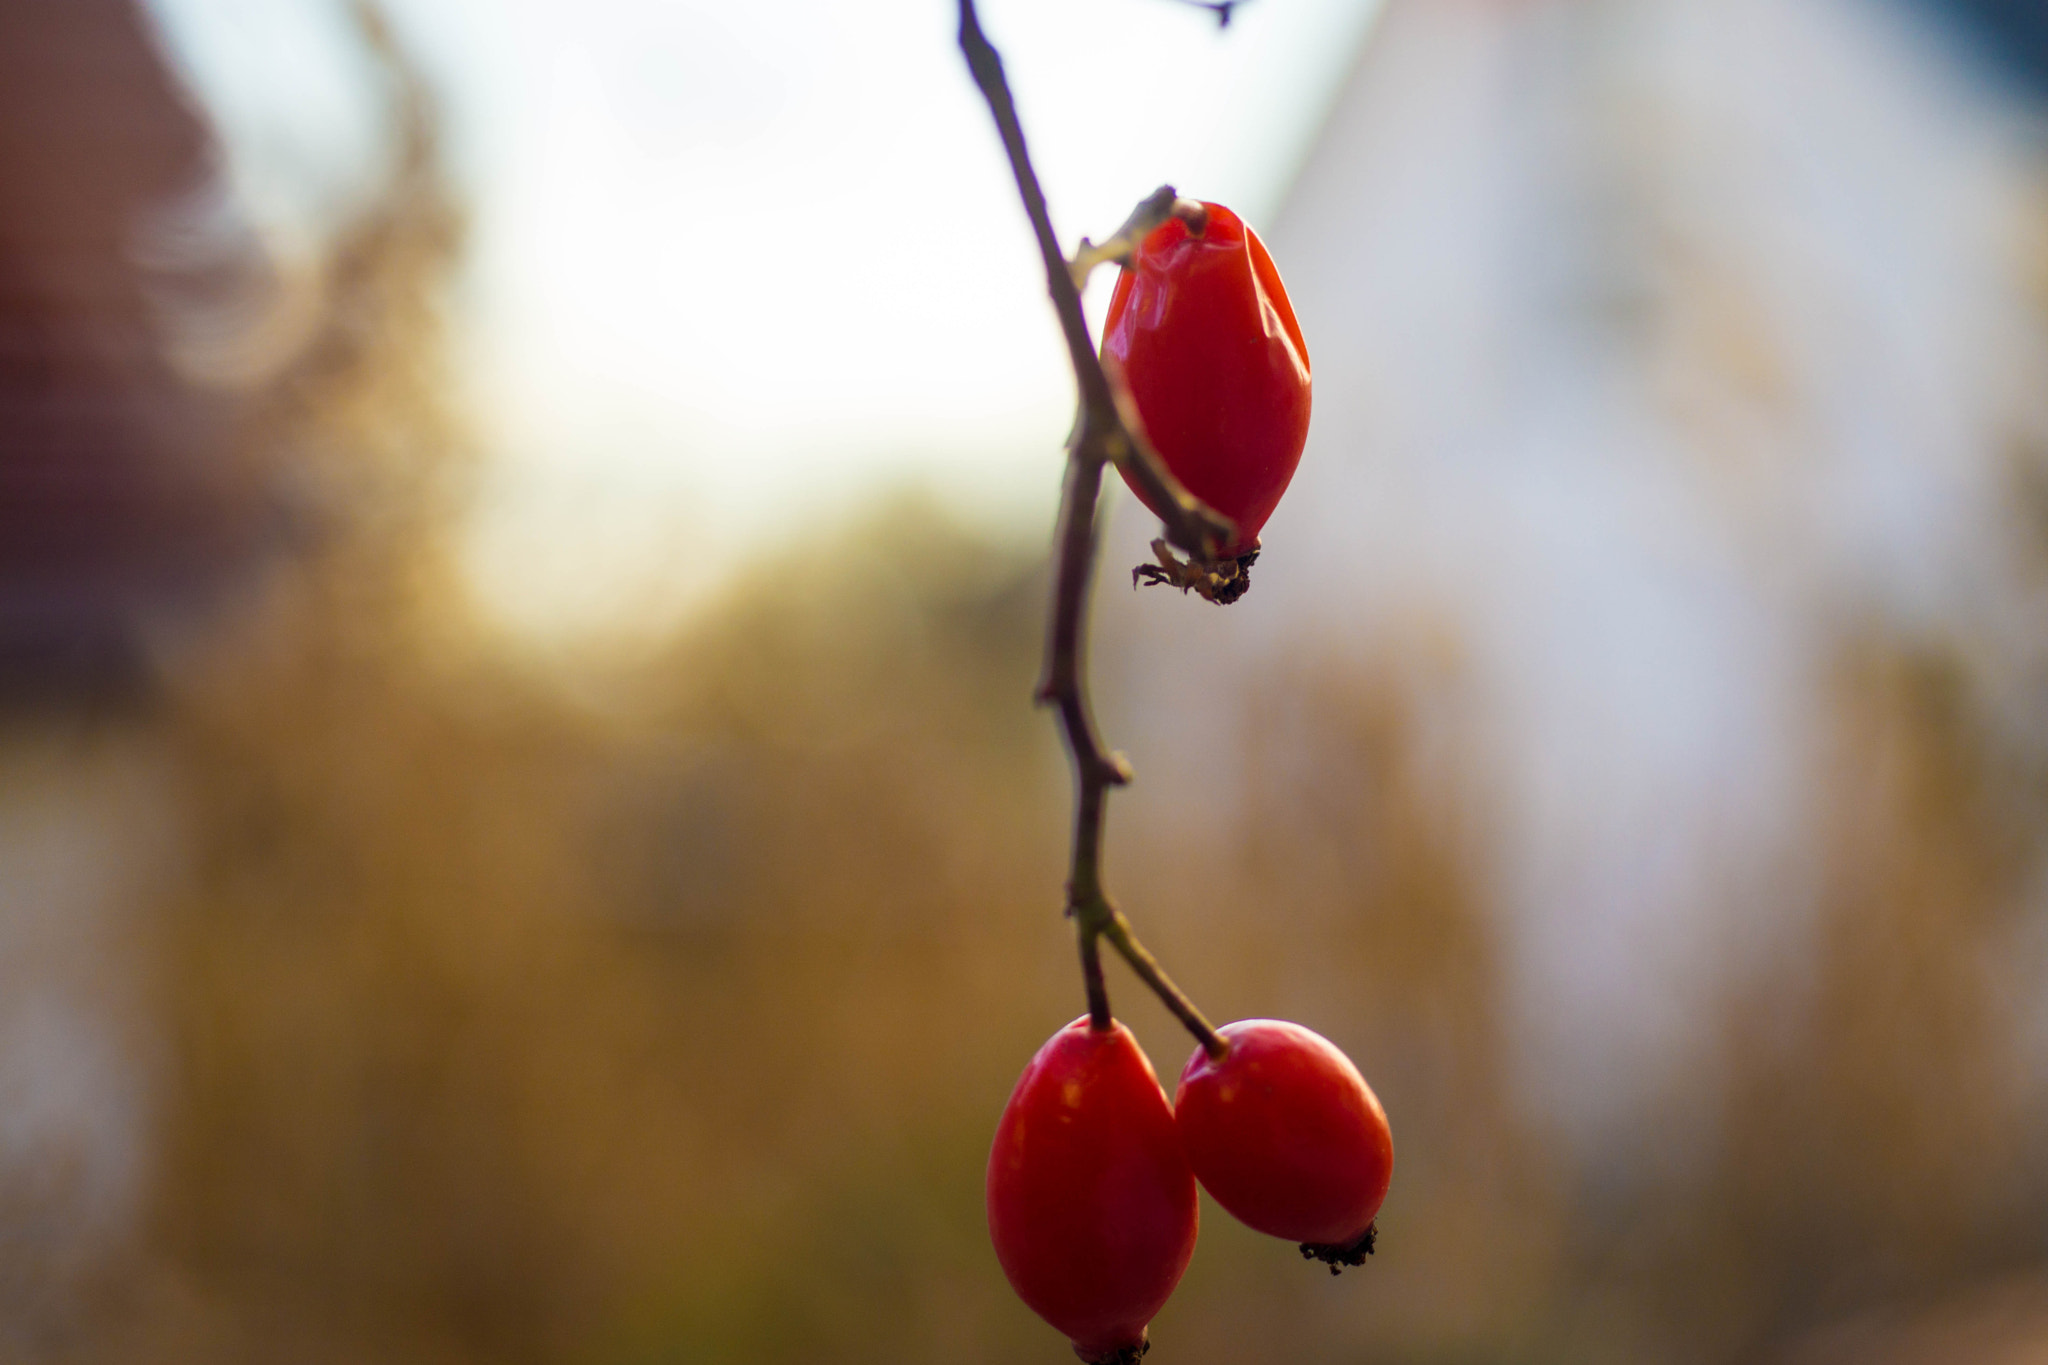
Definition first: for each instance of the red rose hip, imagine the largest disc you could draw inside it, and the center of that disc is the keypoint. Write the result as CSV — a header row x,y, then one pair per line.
x,y
1286,1135
1214,359
1091,1204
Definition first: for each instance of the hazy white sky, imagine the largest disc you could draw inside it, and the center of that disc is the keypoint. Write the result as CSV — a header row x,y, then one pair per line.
x,y
734,264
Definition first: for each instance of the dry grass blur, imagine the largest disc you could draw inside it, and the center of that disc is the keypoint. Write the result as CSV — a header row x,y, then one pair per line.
x,y
488,1024
498,1029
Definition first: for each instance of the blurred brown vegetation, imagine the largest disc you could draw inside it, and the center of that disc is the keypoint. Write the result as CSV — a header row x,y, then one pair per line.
x,y
667,1020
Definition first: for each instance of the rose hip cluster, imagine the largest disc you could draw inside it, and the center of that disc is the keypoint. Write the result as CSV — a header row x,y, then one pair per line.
x,y
1091,1183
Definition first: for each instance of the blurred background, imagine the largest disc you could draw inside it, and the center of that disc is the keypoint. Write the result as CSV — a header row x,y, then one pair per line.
x,y
523,836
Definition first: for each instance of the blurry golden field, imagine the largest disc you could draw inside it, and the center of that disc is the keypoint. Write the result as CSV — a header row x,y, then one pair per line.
x,y
666,1017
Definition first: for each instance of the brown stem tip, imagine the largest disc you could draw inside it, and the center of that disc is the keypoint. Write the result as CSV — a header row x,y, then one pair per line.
x,y
1123,1355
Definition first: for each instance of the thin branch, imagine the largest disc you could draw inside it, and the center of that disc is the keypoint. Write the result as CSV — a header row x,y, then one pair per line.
x,y
1220,8
1108,431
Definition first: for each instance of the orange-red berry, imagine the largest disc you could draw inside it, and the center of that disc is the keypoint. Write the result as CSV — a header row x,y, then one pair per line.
x,y
1090,1202
1208,344
1286,1135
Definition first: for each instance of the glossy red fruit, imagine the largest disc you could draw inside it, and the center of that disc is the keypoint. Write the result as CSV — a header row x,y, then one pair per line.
x,y
1090,1203
1285,1134
1215,361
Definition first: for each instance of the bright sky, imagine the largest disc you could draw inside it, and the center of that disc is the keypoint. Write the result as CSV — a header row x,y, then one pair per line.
x,y
734,265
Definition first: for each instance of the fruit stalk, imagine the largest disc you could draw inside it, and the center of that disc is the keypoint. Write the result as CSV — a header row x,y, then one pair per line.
x,y
1107,431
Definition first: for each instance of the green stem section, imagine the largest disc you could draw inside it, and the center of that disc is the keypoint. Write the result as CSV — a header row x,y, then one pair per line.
x,y
1152,974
